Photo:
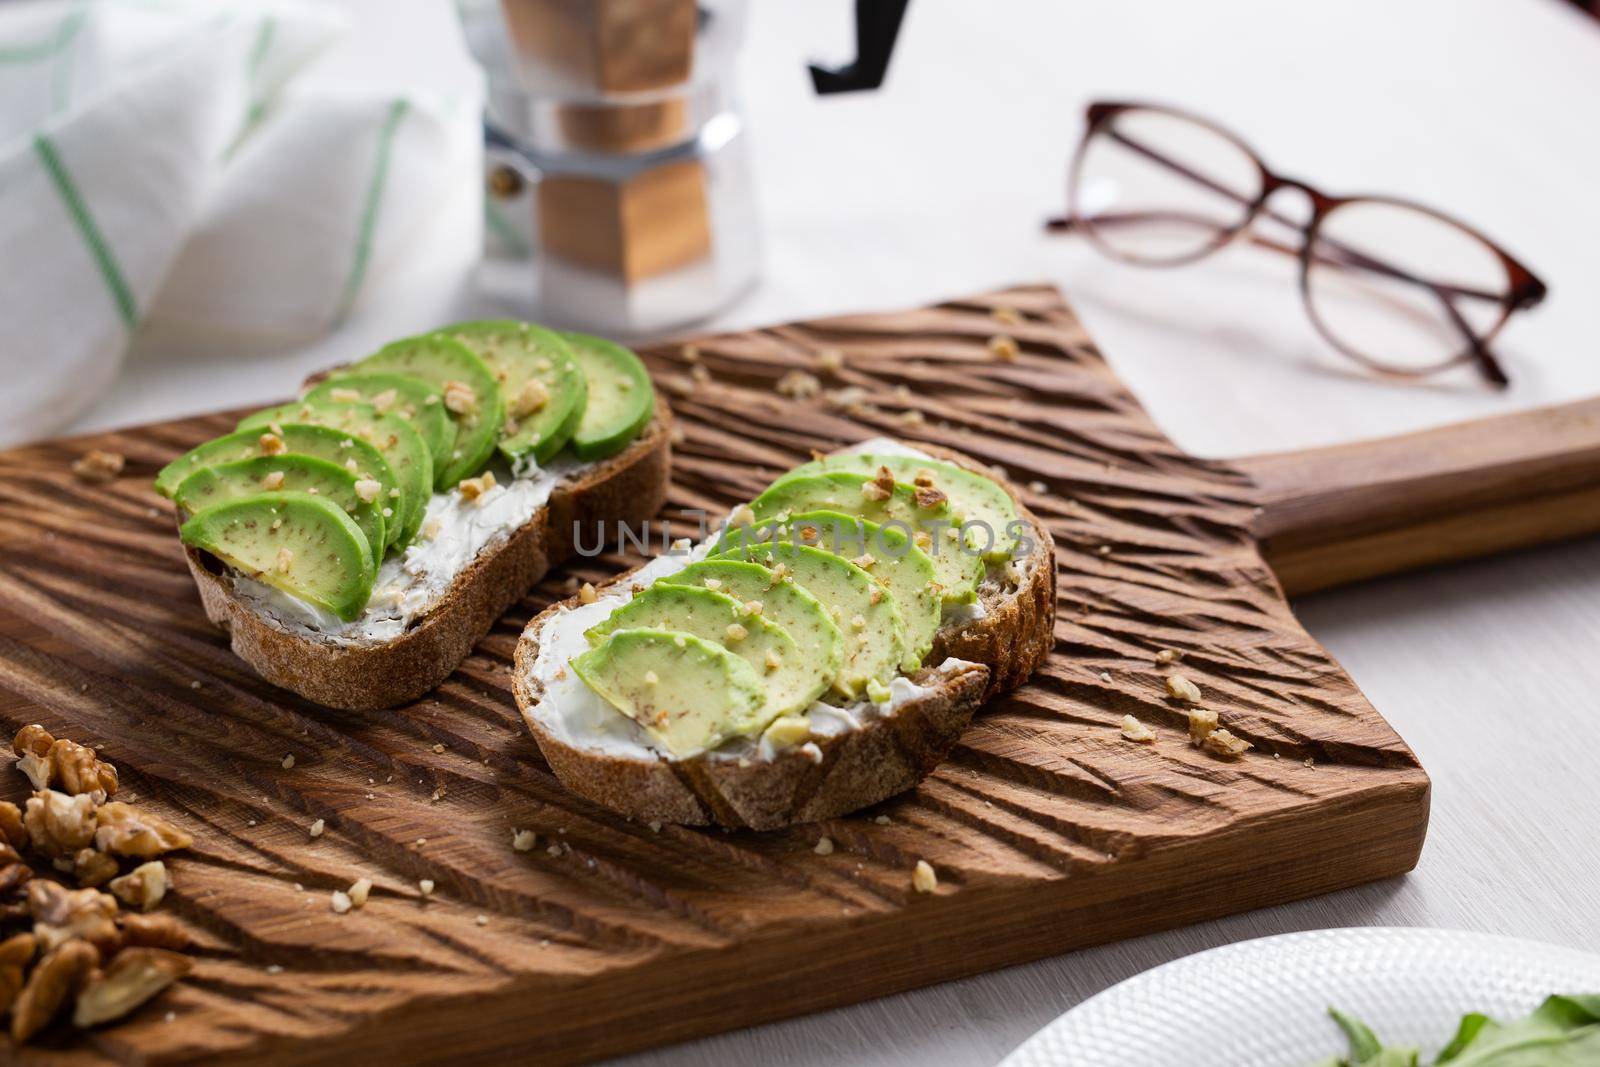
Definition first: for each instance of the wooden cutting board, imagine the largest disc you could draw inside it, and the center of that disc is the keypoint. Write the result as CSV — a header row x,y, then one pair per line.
x,y
1048,830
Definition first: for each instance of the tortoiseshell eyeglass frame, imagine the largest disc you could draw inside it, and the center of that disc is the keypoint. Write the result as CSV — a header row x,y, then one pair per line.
x,y
1522,290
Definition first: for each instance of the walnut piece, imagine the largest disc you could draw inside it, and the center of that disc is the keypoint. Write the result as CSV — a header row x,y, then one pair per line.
x,y
799,385
93,868
460,398
475,488
1003,348
533,397
11,828
1201,722
98,466
1180,688
881,487
923,877
136,975
1134,730
928,497
61,915
1225,744
58,824
124,830
75,769
55,981
153,931
143,887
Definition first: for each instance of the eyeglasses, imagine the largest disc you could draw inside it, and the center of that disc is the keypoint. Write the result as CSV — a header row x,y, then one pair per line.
x,y
1399,287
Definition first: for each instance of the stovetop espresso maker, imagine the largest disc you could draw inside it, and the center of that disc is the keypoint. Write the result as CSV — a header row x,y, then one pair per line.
x,y
618,194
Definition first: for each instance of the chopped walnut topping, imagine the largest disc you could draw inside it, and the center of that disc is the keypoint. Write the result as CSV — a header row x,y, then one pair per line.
x,y
143,887
929,497
1007,316
824,846
1167,655
533,396
359,891
713,584
523,840
1223,743
425,887
1180,688
880,487
865,561
875,594
460,398
367,489
1201,722
754,607
284,560
1134,730
858,622
923,878
272,480
737,632
317,827
124,830
271,444
743,515
476,488
1003,348
799,385
345,396
97,466
339,901
586,593
830,360
651,678
55,981
432,528
134,976
774,661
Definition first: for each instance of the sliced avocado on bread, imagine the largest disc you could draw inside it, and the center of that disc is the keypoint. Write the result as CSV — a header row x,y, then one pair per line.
x,y
976,501
896,666
412,399
687,693
472,396
545,391
924,517
299,543
400,445
287,473
446,497
620,396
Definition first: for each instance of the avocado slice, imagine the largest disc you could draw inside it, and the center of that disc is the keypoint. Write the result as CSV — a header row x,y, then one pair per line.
x,y
782,601
289,473
403,447
621,398
322,442
545,391
896,564
932,528
973,498
411,398
873,651
472,396
790,680
689,694
300,543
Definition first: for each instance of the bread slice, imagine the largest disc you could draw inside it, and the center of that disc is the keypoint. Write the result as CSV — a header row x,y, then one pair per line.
x,y
971,662
630,486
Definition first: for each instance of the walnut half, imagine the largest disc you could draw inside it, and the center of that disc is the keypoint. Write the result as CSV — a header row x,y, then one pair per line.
x,y
58,824
136,975
56,979
124,830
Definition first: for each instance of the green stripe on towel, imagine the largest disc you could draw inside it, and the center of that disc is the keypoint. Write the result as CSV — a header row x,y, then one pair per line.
x,y
369,209
98,248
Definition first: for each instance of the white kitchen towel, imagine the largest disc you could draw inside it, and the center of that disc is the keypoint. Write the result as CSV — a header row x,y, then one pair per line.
x,y
188,169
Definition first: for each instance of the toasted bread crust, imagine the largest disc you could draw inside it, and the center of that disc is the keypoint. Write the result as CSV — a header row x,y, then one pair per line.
x,y
630,486
858,768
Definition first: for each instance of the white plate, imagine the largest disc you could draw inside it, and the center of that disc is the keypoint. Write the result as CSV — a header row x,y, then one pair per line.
x,y
1264,1003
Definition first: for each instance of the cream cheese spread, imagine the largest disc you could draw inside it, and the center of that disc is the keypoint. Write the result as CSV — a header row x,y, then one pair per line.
x,y
411,583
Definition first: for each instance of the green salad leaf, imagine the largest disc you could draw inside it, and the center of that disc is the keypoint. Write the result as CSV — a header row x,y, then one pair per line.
x,y
1563,1032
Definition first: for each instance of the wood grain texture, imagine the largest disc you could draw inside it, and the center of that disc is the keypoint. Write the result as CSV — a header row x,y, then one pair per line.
x,y
1048,830
1340,514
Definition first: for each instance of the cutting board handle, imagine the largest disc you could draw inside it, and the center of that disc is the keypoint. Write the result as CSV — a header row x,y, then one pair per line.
x,y
1336,515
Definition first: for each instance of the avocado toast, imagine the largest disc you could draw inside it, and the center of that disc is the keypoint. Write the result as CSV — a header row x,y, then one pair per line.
x,y
356,543
665,696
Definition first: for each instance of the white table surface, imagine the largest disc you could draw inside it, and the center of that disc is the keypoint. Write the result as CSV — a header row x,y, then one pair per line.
x,y
935,186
